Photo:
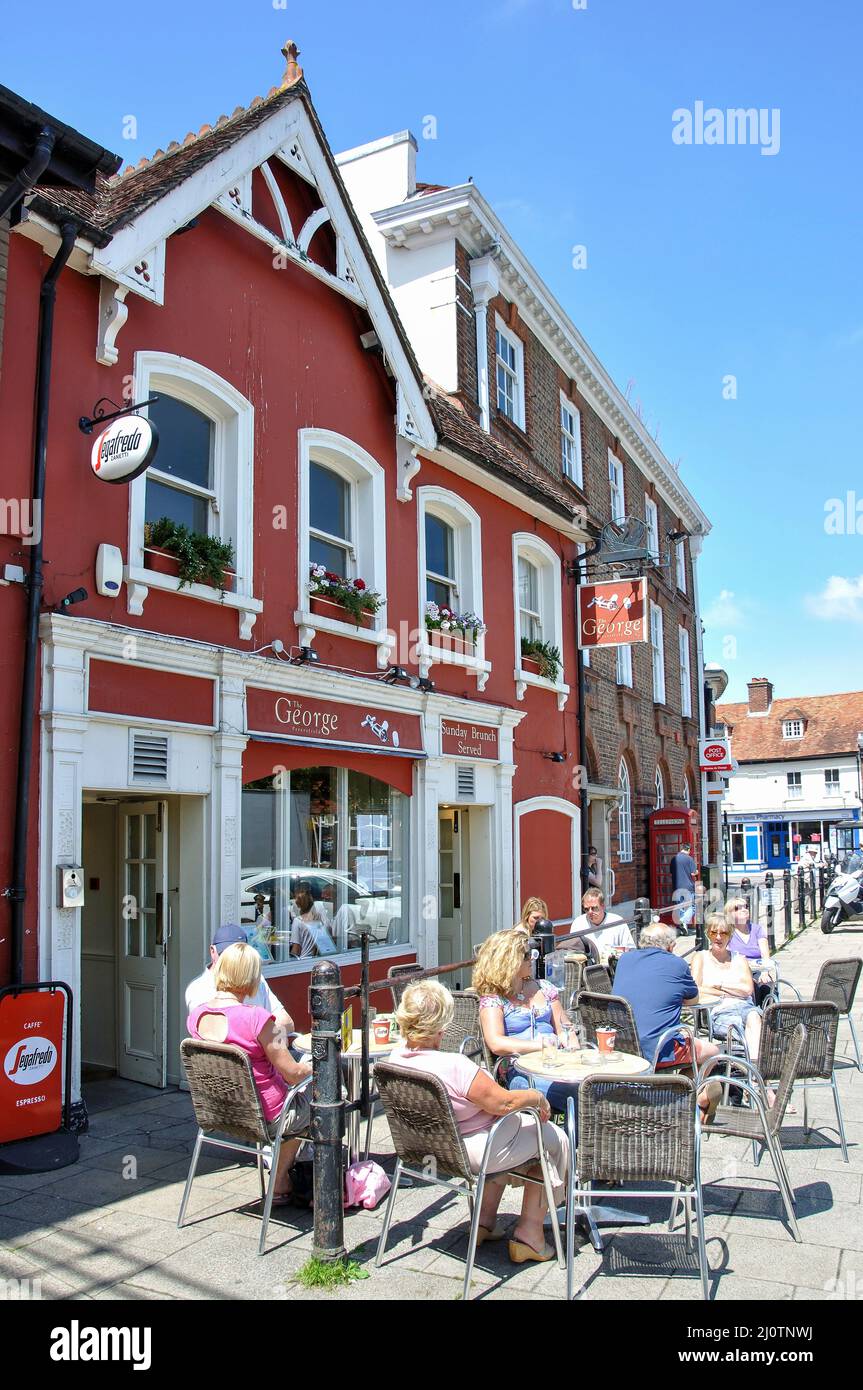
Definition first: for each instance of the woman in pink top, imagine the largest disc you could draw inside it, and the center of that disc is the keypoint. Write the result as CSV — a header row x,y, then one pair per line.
x,y
227,1018
424,1014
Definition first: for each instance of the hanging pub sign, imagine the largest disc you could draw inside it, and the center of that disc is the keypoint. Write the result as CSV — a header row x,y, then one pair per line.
x,y
334,723
715,755
613,613
125,449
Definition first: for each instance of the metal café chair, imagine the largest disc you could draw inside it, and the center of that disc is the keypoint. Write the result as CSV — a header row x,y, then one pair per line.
x,y
423,1128
226,1102
635,1130
606,1010
464,1033
837,983
573,971
760,1122
816,1067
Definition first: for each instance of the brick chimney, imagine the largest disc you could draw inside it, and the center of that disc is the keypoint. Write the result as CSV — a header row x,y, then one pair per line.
x,y
760,695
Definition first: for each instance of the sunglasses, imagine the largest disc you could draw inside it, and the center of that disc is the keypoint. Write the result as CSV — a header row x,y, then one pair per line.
x,y
718,935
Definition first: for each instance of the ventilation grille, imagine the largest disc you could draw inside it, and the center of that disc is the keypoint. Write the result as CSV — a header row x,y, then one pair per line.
x,y
465,783
150,758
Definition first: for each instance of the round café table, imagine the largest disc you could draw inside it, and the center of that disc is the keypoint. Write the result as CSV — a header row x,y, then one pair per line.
x,y
354,1054
574,1067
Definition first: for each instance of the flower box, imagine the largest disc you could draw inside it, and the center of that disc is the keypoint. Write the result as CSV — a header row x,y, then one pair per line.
x,y
531,665
163,562
326,608
451,641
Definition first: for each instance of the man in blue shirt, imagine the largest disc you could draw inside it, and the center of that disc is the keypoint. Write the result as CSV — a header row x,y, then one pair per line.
x,y
656,983
683,870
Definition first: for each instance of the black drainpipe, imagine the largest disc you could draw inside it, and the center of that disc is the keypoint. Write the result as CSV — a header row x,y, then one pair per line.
x,y
18,891
32,171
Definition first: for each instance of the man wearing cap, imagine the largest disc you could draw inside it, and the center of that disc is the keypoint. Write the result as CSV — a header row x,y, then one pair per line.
x,y
201,988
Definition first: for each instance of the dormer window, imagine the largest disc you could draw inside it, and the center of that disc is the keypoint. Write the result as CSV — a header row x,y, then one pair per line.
x,y
792,728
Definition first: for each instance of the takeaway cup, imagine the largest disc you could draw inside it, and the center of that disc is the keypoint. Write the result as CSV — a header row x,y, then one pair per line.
x,y
381,1028
605,1038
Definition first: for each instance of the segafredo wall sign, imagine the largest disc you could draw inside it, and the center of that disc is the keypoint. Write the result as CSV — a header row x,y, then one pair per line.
x,y
125,449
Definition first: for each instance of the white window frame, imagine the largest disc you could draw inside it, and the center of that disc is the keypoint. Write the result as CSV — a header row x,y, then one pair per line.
x,y
517,373
832,781
792,728
680,564
233,418
623,664
685,672
367,480
624,815
657,653
651,517
346,543
659,790
687,795
570,433
467,558
530,547
794,789
616,486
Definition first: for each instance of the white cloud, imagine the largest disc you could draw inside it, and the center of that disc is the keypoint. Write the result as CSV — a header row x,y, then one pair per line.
x,y
726,613
839,599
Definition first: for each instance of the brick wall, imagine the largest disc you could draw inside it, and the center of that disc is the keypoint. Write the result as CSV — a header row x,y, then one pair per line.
x,y
620,722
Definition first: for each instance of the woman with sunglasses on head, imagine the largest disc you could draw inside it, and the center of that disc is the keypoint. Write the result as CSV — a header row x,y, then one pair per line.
x,y
533,912
749,939
725,983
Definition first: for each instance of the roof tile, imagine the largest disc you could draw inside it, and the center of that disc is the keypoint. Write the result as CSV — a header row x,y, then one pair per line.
x,y
832,725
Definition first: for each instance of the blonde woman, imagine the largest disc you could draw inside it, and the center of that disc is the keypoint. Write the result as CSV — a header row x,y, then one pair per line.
x,y
533,911
229,1017
725,983
749,939
425,1012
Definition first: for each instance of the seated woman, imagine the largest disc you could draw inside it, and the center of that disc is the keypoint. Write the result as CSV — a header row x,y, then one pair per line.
x,y
228,1018
516,1012
725,983
534,911
749,939
310,926
425,1012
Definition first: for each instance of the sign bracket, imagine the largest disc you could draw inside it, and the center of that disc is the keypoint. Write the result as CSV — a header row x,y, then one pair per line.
x,y
87,423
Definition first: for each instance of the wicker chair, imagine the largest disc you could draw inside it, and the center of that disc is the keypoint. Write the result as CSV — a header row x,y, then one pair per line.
x,y
394,973
423,1128
837,983
816,1065
636,1130
226,1102
609,1011
761,1122
464,1034
597,979
573,970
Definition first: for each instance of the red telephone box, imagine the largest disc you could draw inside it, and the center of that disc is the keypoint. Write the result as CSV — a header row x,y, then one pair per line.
x,y
668,830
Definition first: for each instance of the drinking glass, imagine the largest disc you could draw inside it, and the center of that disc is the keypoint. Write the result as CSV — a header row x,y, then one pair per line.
x,y
550,1054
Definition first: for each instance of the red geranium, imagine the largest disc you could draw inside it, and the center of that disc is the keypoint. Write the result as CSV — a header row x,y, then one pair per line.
x,y
359,584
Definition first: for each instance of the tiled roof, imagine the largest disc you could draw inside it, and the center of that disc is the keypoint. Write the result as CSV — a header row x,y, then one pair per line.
x,y
459,432
119,199
832,723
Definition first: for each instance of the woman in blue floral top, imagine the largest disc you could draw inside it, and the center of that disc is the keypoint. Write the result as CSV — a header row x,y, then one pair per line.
x,y
516,1011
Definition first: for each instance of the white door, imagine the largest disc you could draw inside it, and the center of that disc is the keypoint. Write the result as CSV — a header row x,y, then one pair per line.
x,y
143,949
453,920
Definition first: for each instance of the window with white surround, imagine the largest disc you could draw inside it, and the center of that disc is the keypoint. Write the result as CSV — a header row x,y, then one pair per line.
x,y
659,785
680,564
342,524
792,728
624,665
657,653
831,781
449,546
537,607
509,373
685,674
651,516
624,815
570,440
441,581
795,784
615,482
202,476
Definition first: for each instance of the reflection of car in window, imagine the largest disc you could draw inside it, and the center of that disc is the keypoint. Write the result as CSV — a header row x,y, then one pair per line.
x,y
348,903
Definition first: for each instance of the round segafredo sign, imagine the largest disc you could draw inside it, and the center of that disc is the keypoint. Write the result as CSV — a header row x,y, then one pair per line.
x,y
29,1061
125,449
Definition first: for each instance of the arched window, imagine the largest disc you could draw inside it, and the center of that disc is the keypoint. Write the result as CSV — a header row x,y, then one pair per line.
x,y
449,550
659,800
624,815
538,610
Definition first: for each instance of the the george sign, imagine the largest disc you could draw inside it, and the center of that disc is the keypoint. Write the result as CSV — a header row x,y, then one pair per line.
x,y
304,719
460,738
613,613
31,1072
125,449
715,754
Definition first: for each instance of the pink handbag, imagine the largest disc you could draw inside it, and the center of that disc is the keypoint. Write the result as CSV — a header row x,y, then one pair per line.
x,y
365,1185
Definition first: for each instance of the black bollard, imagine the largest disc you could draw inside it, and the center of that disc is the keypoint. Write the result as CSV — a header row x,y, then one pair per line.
x,y
327,1128
786,889
771,912
822,885
812,893
640,917
801,900
543,935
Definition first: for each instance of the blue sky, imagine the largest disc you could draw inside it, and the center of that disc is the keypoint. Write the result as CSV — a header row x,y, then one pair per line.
x,y
704,261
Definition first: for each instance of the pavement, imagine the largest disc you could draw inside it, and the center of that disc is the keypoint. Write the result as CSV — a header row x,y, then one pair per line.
x,y
106,1227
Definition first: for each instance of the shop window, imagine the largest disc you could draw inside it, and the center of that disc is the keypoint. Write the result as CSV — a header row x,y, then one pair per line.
x,y
341,838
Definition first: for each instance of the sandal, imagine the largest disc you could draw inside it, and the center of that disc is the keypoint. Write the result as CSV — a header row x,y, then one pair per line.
x,y
520,1253
713,1091
485,1233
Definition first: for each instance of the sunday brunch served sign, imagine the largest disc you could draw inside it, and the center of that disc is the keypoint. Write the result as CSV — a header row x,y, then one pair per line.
x,y
461,738
612,614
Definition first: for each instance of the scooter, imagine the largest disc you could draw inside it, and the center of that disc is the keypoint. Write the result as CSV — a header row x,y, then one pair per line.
x,y
844,899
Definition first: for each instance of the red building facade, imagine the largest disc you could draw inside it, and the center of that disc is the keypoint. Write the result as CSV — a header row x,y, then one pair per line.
x,y
194,758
